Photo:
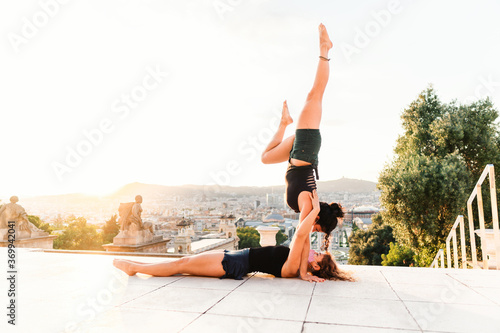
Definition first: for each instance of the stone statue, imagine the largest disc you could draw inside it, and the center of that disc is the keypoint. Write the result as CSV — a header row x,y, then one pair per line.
x,y
130,216
132,229
23,227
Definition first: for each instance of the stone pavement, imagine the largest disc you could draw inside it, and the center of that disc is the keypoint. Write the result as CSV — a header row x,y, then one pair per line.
x,y
65,292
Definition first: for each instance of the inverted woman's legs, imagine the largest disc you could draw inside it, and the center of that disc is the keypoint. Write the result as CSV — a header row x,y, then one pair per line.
x,y
204,264
310,116
277,150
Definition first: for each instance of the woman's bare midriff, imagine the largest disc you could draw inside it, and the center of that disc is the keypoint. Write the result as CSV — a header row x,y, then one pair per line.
x,y
297,162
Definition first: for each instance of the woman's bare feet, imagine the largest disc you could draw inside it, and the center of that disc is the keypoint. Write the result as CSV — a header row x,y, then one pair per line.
x,y
125,266
285,115
325,44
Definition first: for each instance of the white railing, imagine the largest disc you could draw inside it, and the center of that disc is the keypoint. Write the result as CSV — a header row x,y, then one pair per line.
x,y
436,261
489,171
476,193
453,235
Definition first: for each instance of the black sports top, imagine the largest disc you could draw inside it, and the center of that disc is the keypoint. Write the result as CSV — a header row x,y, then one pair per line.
x,y
268,259
298,179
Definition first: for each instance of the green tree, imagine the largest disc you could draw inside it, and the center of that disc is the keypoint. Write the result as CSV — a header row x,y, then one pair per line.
x,y
366,247
39,223
79,235
280,237
438,159
398,256
422,196
110,230
249,237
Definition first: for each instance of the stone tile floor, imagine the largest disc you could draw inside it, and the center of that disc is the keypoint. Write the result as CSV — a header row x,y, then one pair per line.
x,y
61,292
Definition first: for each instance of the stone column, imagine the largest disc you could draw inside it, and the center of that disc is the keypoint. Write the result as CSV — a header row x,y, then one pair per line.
x,y
267,235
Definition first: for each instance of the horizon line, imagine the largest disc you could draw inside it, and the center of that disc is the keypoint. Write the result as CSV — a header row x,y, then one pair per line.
x,y
137,182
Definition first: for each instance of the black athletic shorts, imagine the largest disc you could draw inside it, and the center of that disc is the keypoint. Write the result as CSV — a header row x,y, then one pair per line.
x,y
235,264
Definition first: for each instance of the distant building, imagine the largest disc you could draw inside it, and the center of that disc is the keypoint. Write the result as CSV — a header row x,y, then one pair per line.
x,y
273,218
363,212
273,200
292,216
182,242
198,225
240,223
228,228
362,223
185,223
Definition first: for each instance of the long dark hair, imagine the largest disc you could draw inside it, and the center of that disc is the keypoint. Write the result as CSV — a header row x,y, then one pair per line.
x,y
329,270
328,219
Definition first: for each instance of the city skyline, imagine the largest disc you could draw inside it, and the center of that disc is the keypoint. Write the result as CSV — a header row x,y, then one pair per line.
x,y
99,95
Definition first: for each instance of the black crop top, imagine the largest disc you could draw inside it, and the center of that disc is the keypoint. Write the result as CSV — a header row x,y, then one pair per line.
x,y
268,259
298,179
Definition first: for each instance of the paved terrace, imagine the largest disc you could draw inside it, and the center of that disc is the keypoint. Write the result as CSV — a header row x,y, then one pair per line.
x,y
63,292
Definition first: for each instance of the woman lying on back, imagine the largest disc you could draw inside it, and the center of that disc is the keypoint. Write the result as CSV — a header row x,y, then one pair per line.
x,y
281,261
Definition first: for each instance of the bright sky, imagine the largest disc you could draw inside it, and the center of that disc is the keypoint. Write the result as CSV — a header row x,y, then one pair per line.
x,y
98,94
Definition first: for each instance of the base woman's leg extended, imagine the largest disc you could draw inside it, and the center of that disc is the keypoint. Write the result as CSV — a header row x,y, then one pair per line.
x,y
277,150
310,116
204,264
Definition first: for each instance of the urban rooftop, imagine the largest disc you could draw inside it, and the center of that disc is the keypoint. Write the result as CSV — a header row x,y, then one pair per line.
x,y
81,292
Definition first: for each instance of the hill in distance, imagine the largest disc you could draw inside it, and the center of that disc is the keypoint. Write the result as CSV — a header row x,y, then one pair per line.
x,y
151,190
129,191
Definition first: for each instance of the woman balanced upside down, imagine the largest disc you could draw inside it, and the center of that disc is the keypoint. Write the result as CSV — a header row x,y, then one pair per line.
x,y
298,260
301,150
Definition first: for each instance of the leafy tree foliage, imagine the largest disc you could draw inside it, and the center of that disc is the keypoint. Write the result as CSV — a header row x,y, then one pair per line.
x,y
438,159
280,237
366,247
398,255
79,236
110,230
39,223
422,196
249,237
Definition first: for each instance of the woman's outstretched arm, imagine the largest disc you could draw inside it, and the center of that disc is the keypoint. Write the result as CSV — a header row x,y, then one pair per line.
x,y
304,265
301,236
304,259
